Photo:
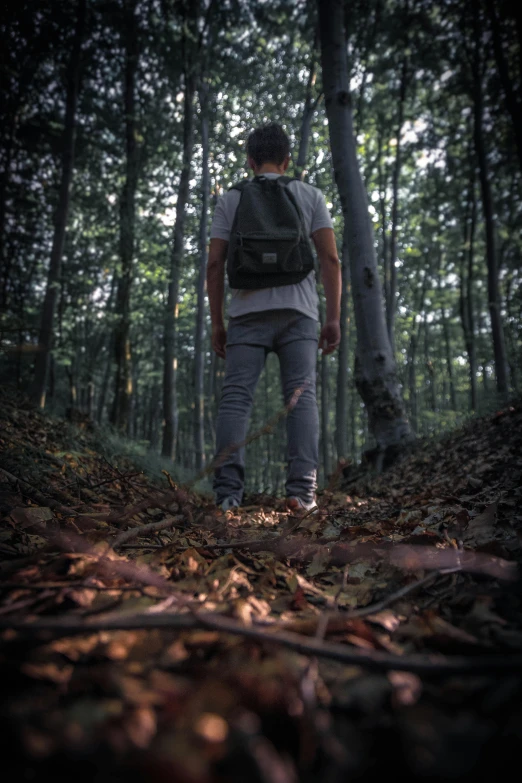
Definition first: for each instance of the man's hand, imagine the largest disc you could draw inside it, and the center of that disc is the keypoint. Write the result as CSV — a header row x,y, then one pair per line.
x,y
330,336
324,240
219,340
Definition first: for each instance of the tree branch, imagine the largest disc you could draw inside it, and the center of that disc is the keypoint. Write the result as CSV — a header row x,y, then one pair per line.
x,y
374,660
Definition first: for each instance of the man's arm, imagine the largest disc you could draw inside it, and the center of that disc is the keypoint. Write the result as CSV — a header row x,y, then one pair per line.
x,y
217,256
324,241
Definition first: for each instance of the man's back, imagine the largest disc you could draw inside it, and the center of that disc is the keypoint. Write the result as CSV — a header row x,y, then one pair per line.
x,y
297,296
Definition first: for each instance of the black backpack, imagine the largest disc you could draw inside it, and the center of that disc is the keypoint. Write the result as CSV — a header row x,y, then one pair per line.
x,y
268,244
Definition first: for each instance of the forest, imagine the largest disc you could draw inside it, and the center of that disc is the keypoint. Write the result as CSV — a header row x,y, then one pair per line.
x,y
145,632
122,123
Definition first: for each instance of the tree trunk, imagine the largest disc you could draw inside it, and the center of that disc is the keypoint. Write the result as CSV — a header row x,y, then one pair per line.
x,y
499,351
325,429
447,342
430,369
412,353
513,102
381,172
391,305
170,403
199,360
45,339
211,400
341,397
121,406
375,370
466,290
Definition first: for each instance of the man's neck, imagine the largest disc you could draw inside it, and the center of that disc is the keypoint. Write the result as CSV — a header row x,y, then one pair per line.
x,y
269,168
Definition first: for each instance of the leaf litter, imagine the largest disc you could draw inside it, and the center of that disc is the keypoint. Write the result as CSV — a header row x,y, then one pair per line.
x,y
151,636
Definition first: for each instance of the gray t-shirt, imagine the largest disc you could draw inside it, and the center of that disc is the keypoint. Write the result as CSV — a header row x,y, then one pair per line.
x,y
299,296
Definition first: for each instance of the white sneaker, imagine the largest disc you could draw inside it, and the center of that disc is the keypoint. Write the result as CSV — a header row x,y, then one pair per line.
x,y
298,504
229,503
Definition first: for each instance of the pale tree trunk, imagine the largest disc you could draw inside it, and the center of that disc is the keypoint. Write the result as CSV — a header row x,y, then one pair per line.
x,y
391,304
499,350
382,181
324,417
466,290
325,429
170,403
447,337
46,334
341,397
121,406
199,359
211,400
375,370
412,352
430,369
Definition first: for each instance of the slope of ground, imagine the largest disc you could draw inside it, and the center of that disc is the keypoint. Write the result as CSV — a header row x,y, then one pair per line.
x,y
145,635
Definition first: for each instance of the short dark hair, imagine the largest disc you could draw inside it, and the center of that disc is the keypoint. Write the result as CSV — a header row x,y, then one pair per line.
x,y
268,144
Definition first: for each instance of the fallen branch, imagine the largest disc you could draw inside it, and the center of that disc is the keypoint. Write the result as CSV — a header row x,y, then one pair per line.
x,y
37,496
323,623
144,530
412,558
373,660
36,586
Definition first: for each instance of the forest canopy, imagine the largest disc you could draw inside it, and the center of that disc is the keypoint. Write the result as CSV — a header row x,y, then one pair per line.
x,y
123,121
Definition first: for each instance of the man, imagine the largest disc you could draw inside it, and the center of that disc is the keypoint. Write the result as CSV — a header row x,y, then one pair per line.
x,y
281,318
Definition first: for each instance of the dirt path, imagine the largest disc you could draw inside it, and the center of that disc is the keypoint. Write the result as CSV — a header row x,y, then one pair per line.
x,y
151,637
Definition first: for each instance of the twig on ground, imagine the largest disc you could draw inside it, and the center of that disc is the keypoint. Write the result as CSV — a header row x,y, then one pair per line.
x,y
373,660
6,586
37,496
367,611
144,530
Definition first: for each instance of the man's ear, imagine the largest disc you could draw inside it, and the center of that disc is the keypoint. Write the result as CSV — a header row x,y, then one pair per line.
x,y
251,164
286,162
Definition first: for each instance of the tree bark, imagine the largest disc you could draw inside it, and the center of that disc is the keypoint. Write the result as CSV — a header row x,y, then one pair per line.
x,y
513,102
341,397
381,173
412,352
375,369
325,429
499,350
121,406
170,404
46,334
466,290
199,360
447,340
391,304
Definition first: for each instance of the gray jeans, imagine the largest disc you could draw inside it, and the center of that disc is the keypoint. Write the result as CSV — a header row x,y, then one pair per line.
x,y
293,337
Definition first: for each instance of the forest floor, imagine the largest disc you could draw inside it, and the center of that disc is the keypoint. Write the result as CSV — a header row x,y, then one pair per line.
x,y
146,635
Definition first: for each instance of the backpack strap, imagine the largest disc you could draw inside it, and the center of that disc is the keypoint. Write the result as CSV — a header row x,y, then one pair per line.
x,y
241,185
285,180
